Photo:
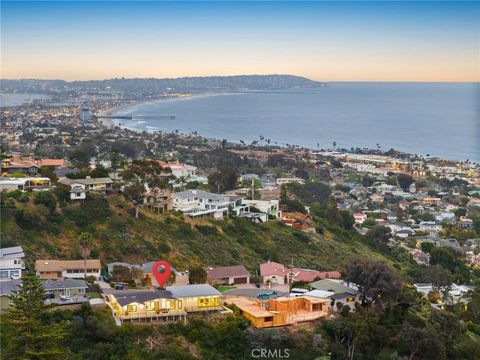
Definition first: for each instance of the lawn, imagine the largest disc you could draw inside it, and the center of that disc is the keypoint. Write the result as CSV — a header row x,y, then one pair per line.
x,y
226,288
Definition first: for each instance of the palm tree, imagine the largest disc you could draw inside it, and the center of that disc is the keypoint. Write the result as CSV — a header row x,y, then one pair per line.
x,y
182,180
85,240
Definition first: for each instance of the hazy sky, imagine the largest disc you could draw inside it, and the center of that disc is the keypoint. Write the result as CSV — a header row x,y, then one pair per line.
x,y
358,41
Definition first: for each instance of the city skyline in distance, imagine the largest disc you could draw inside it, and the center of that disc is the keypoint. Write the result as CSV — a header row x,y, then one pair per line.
x,y
322,41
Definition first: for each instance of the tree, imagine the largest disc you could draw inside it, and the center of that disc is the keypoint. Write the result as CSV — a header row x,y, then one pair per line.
x,y
29,337
225,178
375,280
197,275
421,343
426,247
404,181
85,241
379,237
134,193
49,171
126,274
452,260
80,159
46,198
438,276
148,172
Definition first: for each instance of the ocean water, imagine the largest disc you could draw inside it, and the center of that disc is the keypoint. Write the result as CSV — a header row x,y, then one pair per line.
x,y
440,119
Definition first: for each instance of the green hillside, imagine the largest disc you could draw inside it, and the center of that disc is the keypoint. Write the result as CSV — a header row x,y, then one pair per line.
x,y
46,229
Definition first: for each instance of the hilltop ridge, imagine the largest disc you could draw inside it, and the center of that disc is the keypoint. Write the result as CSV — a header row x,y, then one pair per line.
x,y
166,85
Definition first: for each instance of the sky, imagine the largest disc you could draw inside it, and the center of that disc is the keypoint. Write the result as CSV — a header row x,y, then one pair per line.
x,y
325,41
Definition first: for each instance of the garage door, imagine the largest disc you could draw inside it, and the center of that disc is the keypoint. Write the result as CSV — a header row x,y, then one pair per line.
x,y
240,280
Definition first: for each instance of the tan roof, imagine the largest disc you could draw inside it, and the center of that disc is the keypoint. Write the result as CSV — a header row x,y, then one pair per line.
x,y
60,265
249,306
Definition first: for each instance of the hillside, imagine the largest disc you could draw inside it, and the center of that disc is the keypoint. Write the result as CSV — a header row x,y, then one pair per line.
x,y
185,84
182,241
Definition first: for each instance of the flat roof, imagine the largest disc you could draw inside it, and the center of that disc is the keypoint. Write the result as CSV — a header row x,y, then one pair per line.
x,y
182,291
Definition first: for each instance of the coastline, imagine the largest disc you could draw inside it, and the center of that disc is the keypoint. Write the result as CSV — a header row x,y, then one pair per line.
x,y
118,108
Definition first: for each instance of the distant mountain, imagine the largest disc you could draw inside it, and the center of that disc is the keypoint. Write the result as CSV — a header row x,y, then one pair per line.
x,y
151,85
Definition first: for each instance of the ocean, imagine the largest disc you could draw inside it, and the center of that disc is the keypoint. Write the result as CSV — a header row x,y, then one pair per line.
x,y
439,119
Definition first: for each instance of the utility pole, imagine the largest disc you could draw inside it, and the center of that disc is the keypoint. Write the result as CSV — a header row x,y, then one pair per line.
x,y
253,189
291,274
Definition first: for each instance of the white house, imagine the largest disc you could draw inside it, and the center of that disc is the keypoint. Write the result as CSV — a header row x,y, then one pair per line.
x,y
11,263
199,203
77,192
430,226
180,170
63,269
283,181
103,185
270,207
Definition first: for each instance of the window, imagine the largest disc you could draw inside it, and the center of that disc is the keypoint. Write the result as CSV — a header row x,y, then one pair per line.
x,y
179,303
268,319
3,274
81,291
15,273
17,261
131,308
208,302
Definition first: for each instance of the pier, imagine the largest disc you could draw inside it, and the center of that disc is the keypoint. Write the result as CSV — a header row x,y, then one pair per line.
x,y
138,117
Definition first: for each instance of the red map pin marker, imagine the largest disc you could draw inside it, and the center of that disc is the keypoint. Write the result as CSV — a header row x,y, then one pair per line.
x,y
161,277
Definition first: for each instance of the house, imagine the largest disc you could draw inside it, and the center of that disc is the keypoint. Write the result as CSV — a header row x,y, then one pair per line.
x,y
181,277
58,292
6,289
199,203
171,304
25,184
67,291
198,298
158,198
359,218
228,275
455,292
298,220
288,180
273,273
77,192
377,198
237,205
431,200
19,164
61,269
308,275
346,294
103,185
179,170
11,263
269,207
465,223
57,163
281,311
429,226
145,306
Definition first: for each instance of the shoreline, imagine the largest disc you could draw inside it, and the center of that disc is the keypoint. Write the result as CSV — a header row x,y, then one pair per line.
x,y
111,123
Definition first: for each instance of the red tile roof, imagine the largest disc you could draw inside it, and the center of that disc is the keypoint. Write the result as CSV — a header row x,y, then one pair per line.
x,y
272,268
312,275
51,162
